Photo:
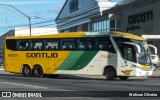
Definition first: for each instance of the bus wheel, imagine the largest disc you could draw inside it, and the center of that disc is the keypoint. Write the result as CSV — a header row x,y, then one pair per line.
x,y
26,71
110,73
123,77
37,71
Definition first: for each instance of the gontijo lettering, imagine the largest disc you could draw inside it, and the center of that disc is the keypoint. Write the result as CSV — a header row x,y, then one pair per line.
x,y
41,55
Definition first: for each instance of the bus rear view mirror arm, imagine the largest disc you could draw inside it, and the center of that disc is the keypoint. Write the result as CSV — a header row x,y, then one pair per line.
x,y
154,47
136,45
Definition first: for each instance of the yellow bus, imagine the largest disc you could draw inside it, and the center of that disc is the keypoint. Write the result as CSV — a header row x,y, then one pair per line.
x,y
113,54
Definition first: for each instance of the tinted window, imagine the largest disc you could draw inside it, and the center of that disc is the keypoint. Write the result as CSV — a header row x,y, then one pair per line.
x,y
51,44
23,45
104,43
68,44
11,44
36,44
86,44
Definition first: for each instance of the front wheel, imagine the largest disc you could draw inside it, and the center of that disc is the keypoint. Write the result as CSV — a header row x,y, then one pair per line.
x,y
26,71
123,77
110,73
37,71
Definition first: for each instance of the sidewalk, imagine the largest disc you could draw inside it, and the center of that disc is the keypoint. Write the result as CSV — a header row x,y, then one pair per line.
x,y
1,68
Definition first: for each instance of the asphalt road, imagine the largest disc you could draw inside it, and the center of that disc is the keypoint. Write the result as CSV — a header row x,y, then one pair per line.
x,y
16,82
76,83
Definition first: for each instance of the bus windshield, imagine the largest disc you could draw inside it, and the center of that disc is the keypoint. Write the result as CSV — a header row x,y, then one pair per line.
x,y
144,55
127,50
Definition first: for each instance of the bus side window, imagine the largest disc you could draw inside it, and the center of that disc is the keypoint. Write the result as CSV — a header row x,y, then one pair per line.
x,y
11,44
37,44
24,45
100,47
81,47
105,44
68,44
64,47
52,44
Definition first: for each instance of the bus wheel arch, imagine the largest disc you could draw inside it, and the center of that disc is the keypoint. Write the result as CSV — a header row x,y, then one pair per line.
x,y
110,72
37,71
26,70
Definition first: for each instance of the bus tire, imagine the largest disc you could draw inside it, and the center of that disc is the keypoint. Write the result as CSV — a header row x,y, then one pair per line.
x,y
123,77
26,71
37,71
110,73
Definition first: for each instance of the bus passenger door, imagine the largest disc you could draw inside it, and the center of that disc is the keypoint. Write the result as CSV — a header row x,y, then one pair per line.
x,y
130,52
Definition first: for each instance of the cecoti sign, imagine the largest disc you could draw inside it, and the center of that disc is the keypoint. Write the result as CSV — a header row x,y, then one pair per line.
x,y
140,17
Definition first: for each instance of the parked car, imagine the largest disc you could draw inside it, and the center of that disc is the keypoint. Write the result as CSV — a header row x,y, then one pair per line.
x,y
154,57
156,61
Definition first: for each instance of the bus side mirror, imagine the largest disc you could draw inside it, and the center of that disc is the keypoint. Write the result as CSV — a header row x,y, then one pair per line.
x,y
134,44
138,49
152,47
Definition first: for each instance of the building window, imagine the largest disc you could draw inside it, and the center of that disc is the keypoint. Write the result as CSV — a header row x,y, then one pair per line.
x,y
112,25
106,26
73,5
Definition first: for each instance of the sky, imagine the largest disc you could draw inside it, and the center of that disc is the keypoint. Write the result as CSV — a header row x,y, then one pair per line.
x,y
42,13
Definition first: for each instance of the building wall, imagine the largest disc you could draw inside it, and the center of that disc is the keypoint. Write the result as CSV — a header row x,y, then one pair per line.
x,y
146,27
79,19
2,37
84,5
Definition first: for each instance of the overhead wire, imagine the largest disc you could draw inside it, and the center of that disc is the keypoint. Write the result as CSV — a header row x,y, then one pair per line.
x,y
44,18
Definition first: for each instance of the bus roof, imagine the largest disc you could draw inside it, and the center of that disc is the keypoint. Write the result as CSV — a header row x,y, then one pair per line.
x,y
127,35
80,34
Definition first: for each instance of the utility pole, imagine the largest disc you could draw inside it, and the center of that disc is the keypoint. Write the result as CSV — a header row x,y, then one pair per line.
x,y
29,18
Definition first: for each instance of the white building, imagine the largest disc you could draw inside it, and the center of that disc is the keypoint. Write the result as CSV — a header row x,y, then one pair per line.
x,y
34,31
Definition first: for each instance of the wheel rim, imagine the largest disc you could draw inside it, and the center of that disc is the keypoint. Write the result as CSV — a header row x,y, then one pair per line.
x,y
37,71
111,73
26,71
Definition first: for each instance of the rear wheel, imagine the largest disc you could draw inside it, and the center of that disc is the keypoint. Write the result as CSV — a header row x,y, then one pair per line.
x,y
37,71
110,73
26,71
123,77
